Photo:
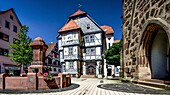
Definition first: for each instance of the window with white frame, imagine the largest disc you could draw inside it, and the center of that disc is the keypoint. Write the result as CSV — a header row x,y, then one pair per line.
x,y
74,35
87,38
91,38
92,51
70,50
71,65
87,51
69,37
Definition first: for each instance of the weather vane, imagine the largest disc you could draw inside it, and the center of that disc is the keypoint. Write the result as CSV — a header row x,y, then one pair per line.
x,y
79,6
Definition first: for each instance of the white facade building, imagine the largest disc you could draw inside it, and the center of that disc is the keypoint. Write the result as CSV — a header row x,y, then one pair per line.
x,y
81,43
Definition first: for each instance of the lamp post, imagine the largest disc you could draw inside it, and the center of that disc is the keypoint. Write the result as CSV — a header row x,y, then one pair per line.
x,y
64,70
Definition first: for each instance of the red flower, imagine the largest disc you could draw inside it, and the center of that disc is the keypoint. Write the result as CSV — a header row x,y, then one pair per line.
x,y
45,74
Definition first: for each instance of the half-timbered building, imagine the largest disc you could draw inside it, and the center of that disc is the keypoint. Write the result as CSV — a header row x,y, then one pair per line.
x,y
81,43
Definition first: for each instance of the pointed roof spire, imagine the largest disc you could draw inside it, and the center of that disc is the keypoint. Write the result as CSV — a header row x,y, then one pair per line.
x,y
79,6
71,25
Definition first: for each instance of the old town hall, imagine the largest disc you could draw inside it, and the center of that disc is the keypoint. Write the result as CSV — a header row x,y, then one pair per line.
x,y
81,43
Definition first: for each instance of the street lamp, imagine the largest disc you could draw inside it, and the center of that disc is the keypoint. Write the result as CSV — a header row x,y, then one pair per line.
x,y
100,67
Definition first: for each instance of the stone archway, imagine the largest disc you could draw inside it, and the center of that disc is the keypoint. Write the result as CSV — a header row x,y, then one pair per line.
x,y
153,51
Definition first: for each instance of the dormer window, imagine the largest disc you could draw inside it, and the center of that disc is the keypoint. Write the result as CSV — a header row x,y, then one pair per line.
x,y
11,17
88,26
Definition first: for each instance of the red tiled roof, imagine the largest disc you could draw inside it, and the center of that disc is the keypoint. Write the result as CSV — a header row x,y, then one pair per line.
x,y
50,48
79,12
71,25
107,29
116,41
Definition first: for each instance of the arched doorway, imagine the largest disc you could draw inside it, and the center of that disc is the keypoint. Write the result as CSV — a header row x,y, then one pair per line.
x,y
154,52
91,70
159,58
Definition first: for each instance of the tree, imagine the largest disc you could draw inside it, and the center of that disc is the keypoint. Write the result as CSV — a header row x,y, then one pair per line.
x,y
22,52
112,55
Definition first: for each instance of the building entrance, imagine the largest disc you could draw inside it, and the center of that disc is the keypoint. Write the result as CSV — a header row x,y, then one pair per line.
x,y
91,70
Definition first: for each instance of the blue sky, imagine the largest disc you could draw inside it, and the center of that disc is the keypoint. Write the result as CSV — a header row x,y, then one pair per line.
x,y
45,17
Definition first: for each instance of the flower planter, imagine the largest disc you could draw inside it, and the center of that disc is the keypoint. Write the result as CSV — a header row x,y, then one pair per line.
x,y
51,83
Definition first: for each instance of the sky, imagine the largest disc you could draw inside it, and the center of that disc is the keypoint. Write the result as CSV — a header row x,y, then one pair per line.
x,y
45,17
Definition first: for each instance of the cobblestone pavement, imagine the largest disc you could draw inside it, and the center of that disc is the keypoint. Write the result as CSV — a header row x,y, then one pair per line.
x,y
104,87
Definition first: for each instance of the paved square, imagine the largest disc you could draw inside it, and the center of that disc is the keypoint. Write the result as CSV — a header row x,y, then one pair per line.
x,y
89,87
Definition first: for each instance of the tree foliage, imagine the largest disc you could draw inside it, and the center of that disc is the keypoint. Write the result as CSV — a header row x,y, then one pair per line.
x,y
22,52
112,55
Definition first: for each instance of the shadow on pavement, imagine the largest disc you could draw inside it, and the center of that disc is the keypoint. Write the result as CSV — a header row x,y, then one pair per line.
x,y
6,91
131,88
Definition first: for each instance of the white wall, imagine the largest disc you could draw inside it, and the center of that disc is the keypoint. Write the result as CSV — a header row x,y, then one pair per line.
x,y
158,55
98,50
59,44
97,38
109,41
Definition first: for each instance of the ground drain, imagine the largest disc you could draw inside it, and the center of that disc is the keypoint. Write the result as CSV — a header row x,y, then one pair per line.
x,y
101,81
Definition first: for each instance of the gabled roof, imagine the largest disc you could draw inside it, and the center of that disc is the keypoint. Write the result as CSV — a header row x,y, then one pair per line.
x,y
79,12
71,25
108,30
11,9
51,46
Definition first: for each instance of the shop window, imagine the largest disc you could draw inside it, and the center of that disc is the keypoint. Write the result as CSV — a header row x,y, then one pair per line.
x,y
15,28
7,24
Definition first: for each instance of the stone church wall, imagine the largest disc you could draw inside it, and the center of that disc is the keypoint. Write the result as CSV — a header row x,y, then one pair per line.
x,y
136,16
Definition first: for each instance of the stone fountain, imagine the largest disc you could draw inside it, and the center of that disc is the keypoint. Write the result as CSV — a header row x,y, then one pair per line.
x,y
39,49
